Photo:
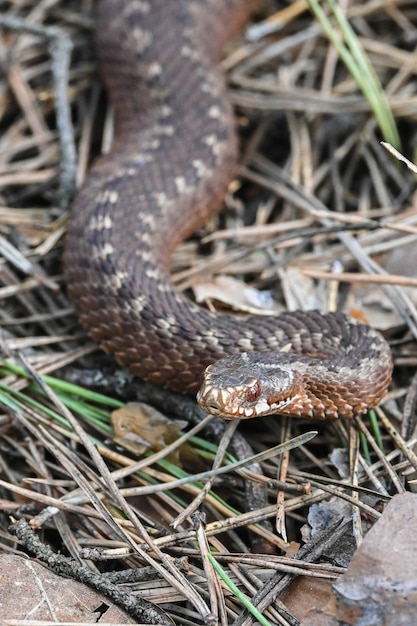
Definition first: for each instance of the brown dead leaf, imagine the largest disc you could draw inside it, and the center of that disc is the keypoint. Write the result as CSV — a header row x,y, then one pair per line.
x,y
139,427
235,295
380,585
29,591
306,592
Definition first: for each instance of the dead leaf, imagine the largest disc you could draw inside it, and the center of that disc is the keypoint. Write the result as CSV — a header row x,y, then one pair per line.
x,y
380,585
29,591
235,295
139,427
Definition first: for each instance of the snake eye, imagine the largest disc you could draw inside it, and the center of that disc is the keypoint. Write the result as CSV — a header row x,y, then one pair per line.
x,y
254,392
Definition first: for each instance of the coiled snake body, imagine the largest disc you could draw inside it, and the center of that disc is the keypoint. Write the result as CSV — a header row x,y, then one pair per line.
x,y
174,155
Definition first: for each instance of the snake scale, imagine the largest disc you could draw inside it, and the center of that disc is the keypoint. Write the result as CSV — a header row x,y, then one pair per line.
x,y
174,154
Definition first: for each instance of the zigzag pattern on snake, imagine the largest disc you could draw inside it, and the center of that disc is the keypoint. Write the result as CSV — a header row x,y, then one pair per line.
x,y
174,155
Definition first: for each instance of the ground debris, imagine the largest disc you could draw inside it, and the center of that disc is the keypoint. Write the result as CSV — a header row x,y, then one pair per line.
x,y
380,584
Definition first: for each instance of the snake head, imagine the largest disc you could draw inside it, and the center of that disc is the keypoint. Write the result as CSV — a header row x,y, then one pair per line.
x,y
244,386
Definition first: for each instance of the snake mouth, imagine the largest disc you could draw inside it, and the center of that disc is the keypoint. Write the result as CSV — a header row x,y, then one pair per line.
x,y
229,403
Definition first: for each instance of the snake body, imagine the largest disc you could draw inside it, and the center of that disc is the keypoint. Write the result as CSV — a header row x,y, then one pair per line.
x,y
174,154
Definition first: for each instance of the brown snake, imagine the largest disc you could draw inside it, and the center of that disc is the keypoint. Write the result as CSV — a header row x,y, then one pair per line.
x,y
174,155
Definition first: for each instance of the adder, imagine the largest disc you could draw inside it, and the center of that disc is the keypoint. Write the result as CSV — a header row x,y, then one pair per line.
x,y
174,154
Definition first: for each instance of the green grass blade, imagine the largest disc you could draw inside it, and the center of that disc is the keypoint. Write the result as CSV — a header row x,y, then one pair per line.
x,y
354,57
241,596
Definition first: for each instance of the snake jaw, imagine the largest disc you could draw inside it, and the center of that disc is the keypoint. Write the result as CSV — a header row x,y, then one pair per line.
x,y
229,403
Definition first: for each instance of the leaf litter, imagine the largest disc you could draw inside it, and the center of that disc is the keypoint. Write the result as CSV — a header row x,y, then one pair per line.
x,y
321,216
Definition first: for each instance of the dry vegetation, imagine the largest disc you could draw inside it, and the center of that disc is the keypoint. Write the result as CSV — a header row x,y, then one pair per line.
x,y
321,217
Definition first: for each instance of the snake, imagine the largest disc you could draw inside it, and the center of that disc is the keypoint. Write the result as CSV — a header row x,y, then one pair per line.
x,y
174,153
